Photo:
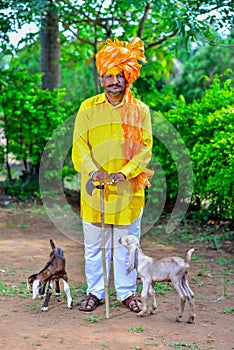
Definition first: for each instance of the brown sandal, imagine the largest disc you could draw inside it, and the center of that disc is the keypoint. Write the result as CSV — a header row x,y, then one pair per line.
x,y
89,303
133,304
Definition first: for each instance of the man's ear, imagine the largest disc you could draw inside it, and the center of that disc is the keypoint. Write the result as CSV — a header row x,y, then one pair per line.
x,y
100,78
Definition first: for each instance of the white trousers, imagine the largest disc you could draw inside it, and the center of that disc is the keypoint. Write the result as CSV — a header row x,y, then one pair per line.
x,y
125,285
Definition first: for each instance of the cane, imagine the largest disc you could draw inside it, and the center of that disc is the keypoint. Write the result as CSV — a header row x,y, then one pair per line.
x,y
89,188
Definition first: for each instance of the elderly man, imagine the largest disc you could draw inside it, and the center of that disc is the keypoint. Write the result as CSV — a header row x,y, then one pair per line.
x,y
112,146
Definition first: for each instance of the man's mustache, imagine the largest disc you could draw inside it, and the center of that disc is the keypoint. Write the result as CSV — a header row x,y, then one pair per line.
x,y
117,85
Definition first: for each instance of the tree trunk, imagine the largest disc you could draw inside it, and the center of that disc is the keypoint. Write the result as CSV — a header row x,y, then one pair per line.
x,y
50,48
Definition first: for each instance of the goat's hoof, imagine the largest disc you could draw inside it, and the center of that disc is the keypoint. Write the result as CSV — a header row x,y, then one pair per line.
x,y
44,308
191,320
178,319
57,294
141,314
42,296
70,306
153,311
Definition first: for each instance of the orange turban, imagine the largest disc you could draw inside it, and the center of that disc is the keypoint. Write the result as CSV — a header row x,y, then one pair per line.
x,y
124,55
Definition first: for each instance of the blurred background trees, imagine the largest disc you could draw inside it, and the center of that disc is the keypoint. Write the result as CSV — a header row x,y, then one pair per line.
x,y
188,80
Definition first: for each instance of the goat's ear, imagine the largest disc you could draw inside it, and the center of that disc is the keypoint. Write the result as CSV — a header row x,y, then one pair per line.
x,y
136,259
132,254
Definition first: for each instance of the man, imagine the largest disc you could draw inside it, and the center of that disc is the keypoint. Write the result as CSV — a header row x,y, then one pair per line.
x,y
112,146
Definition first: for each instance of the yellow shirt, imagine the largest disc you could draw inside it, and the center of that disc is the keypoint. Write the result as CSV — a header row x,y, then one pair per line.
x,y
97,145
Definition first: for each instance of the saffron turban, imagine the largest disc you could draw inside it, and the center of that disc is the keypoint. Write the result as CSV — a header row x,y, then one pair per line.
x,y
123,55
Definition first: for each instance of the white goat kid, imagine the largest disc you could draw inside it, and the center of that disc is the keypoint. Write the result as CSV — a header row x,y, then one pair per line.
x,y
172,269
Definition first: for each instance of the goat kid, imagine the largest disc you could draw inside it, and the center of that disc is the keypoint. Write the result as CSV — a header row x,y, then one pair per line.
x,y
150,270
52,272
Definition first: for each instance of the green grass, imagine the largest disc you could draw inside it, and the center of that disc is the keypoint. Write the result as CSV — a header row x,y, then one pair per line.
x,y
191,233
151,342
184,346
13,290
92,319
136,329
227,311
160,288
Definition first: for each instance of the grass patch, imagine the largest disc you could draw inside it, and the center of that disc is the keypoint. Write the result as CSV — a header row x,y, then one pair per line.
x,y
214,236
92,319
151,342
184,346
160,288
12,291
136,329
227,311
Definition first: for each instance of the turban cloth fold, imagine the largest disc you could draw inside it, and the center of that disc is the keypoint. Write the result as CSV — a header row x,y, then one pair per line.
x,y
125,57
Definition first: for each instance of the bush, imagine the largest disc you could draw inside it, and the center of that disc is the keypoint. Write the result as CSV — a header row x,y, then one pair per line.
x,y
28,117
206,127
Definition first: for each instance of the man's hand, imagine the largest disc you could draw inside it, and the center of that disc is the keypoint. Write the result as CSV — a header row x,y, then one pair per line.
x,y
117,177
102,177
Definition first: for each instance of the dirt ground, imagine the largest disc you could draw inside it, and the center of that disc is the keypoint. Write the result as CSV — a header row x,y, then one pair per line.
x,y
24,249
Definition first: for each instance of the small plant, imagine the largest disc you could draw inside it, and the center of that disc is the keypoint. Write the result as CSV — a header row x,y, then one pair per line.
x,y
45,336
151,342
184,346
136,329
115,303
13,290
161,288
227,311
92,319
23,225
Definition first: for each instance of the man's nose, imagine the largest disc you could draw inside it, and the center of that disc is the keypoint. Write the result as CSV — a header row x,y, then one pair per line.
x,y
115,80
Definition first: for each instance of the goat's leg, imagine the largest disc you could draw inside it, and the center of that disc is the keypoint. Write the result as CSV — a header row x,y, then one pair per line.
x,y
42,291
48,295
57,288
182,298
67,291
190,296
144,295
153,301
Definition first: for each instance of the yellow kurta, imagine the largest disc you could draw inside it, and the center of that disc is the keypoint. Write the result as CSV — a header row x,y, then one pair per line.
x,y
97,145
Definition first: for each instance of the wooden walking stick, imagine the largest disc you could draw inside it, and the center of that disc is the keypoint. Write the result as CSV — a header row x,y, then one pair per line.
x,y
105,279
89,188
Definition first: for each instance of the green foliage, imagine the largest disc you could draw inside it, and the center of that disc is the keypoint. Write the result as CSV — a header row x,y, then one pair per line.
x,y
28,116
204,62
206,127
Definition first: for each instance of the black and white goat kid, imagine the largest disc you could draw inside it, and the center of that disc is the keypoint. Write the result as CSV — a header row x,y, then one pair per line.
x,y
51,273
171,269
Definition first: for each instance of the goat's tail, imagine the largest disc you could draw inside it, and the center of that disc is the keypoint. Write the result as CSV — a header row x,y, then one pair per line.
x,y
52,244
189,255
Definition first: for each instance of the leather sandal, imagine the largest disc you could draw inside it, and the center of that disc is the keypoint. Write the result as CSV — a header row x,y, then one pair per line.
x,y
133,303
89,303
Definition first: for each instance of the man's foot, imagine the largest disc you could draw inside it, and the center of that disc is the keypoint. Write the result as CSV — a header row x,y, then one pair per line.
x,y
133,303
89,303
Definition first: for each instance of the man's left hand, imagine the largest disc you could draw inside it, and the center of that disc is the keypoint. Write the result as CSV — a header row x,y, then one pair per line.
x,y
117,177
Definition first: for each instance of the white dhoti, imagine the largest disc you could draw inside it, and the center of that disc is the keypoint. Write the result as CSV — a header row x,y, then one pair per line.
x,y
125,285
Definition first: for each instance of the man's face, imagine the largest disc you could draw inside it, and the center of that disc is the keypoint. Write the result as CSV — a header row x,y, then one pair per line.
x,y
114,85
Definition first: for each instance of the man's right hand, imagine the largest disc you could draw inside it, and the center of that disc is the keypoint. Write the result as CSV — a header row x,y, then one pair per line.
x,y
102,177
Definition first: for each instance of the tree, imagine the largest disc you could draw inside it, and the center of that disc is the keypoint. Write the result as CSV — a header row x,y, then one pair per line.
x,y
159,23
50,47
200,68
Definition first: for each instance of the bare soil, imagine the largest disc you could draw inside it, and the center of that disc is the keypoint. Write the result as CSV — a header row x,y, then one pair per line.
x,y
24,249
